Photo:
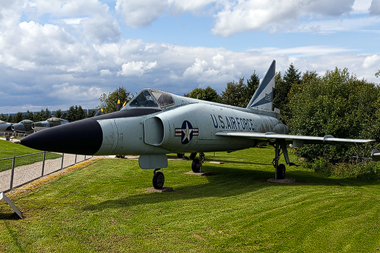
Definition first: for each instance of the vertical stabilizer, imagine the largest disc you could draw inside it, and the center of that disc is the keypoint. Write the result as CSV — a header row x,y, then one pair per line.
x,y
263,97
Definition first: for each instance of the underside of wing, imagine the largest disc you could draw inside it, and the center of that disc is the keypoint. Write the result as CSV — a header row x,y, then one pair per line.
x,y
297,140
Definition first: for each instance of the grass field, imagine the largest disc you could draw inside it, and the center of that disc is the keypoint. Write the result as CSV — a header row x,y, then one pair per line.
x,y
105,207
10,149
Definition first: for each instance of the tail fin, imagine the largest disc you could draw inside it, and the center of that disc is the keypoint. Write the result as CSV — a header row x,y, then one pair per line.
x,y
263,97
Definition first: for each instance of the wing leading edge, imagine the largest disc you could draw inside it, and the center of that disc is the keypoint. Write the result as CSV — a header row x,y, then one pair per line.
x,y
298,140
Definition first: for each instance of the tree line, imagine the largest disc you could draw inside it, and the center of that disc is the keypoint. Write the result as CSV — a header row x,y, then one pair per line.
x,y
74,113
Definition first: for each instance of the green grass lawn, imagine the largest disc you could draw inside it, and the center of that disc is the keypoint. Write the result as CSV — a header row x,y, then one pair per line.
x,y
10,149
104,207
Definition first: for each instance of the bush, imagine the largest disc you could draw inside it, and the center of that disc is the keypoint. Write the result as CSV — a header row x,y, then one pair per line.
x,y
362,171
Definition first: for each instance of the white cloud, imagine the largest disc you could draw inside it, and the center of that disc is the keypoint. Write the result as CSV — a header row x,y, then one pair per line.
x,y
194,6
361,6
63,8
375,7
75,92
105,72
305,51
196,69
275,15
100,29
140,13
136,68
371,61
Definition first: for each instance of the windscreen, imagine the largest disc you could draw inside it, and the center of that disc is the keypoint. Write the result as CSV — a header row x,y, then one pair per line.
x,y
164,99
144,99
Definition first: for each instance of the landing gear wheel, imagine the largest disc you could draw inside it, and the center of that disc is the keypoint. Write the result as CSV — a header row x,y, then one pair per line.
x,y
158,180
180,155
196,166
281,171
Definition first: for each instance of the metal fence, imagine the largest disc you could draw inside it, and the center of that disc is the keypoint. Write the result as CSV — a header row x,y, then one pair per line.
x,y
16,175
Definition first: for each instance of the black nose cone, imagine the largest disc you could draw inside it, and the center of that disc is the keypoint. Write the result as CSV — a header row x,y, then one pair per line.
x,y
80,137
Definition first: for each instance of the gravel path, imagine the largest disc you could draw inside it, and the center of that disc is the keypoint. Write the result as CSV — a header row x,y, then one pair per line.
x,y
26,173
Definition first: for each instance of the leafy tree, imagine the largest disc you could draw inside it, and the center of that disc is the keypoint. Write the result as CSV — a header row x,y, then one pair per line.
x,y
28,115
336,104
18,117
3,117
109,102
45,114
208,94
377,74
37,117
58,113
74,113
10,119
283,86
252,84
234,94
91,113
81,114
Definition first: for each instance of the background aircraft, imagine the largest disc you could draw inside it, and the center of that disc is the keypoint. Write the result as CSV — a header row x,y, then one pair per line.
x,y
5,127
24,126
50,122
156,123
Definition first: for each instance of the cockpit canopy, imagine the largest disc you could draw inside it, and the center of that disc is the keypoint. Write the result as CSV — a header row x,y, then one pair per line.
x,y
26,121
151,98
53,118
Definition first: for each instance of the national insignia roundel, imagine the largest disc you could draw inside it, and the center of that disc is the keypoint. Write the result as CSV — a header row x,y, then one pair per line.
x,y
187,132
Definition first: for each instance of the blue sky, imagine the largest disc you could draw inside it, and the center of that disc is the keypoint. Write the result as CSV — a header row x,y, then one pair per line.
x,y
54,54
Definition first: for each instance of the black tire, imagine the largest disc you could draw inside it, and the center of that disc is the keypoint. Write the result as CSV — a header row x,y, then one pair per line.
x,y
196,166
180,155
281,171
158,180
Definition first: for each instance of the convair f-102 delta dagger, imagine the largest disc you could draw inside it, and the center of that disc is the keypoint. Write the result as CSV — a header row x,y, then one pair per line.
x,y
156,123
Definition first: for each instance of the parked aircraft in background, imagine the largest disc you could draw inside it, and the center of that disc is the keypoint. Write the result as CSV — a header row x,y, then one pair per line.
x,y
5,127
24,126
50,122
156,123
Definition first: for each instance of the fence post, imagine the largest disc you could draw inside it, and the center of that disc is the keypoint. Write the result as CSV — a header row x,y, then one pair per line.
x,y
75,159
13,172
63,154
43,164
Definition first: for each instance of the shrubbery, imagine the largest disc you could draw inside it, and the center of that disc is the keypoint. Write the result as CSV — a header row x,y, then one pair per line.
x,y
364,171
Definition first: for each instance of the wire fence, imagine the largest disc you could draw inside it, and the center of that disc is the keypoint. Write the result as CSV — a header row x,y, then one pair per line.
x,y
17,171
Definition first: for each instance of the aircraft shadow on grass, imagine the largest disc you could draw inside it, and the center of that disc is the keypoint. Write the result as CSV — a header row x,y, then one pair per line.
x,y
236,181
9,216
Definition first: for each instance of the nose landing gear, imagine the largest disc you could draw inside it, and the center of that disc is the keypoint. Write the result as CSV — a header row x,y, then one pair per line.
x,y
158,179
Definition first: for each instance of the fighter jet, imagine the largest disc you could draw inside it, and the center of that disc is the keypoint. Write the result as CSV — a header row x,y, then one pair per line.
x,y
24,126
156,123
5,127
50,122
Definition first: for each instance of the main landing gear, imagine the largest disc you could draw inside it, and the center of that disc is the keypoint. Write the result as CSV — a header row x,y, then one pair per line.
x,y
280,145
196,165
